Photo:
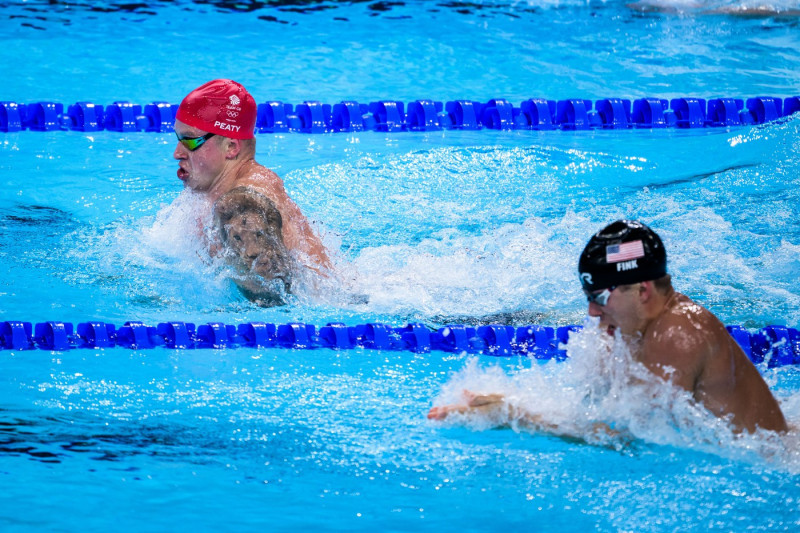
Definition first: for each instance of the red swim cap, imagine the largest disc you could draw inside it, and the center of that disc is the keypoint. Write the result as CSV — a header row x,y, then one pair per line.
x,y
223,107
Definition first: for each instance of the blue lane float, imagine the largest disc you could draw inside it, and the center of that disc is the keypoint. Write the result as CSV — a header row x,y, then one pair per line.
x,y
315,117
771,345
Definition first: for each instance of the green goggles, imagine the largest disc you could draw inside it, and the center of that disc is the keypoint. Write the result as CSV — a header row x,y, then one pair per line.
x,y
193,143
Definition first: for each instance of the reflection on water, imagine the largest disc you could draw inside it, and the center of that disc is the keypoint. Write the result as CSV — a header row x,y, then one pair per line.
x,y
57,439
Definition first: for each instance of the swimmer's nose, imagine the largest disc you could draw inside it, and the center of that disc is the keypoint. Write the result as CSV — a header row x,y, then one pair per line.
x,y
181,152
595,309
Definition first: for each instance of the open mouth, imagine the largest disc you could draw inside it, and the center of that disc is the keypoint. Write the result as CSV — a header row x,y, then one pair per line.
x,y
183,175
611,330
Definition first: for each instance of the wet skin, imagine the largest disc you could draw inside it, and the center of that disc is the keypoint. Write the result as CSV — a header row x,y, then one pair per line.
x,y
200,168
681,342
258,245
250,227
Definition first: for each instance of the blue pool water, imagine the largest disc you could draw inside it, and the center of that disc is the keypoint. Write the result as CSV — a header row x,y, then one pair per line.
x,y
441,227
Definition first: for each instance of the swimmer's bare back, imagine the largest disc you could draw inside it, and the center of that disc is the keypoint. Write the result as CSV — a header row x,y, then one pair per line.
x,y
690,347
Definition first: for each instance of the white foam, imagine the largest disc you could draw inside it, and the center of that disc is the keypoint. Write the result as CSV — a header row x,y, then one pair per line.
x,y
731,7
527,266
601,383
165,259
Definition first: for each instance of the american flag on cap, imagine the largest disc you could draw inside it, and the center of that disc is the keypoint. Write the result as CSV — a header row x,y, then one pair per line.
x,y
624,251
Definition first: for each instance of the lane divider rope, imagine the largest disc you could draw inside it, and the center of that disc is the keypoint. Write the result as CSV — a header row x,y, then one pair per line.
x,y
419,115
773,345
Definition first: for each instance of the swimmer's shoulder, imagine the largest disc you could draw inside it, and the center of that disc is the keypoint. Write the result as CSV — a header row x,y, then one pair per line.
x,y
681,308
689,328
264,181
256,175
677,311
683,326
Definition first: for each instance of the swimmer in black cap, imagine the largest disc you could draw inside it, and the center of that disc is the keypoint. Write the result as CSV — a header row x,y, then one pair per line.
x,y
624,252
623,270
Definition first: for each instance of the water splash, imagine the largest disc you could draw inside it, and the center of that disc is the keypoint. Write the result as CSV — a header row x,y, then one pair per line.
x,y
156,263
601,383
526,266
726,7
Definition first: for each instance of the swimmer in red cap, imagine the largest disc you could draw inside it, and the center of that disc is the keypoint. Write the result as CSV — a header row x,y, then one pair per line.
x,y
216,149
623,271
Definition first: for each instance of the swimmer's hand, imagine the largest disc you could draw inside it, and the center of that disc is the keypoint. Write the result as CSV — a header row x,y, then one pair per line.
x,y
473,403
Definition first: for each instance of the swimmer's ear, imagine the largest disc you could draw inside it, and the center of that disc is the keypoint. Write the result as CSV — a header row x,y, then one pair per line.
x,y
646,291
232,148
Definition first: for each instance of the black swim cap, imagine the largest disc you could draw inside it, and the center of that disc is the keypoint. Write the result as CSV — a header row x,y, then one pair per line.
x,y
622,253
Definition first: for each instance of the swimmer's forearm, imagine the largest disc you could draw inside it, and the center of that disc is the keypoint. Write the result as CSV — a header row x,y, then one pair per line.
x,y
537,423
498,408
